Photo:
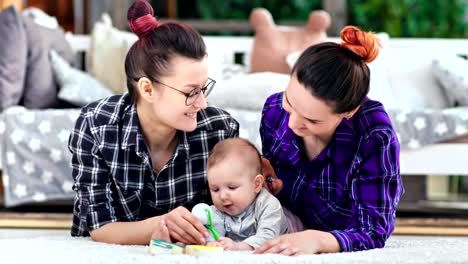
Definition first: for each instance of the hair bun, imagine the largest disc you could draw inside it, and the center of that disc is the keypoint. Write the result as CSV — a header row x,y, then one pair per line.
x,y
141,18
365,44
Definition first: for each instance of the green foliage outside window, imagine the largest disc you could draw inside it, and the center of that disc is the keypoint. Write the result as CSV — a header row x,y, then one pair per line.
x,y
411,18
400,18
240,9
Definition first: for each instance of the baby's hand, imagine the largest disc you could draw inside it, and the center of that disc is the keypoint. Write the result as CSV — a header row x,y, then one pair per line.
x,y
227,243
214,244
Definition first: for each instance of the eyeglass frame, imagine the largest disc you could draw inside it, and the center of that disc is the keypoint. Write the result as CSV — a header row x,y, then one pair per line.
x,y
187,95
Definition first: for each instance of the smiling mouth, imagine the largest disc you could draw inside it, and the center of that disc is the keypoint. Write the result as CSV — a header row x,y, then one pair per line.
x,y
191,114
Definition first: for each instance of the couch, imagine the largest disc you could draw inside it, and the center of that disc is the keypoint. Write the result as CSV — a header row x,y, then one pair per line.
x,y
33,147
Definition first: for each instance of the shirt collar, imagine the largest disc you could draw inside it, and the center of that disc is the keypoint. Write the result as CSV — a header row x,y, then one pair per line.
x,y
131,129
132,135
289,143
248,211
183,148
339,148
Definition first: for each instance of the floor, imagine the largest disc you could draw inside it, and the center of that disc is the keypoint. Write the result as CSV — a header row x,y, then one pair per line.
x,y
31,233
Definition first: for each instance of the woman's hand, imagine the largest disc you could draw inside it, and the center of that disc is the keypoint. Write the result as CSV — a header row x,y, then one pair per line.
x,y
272,183
305,242
160,231
184,227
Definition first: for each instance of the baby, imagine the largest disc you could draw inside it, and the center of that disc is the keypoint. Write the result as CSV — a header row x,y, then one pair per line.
x,y
249,214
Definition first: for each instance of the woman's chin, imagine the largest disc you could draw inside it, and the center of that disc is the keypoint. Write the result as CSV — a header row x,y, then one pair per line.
x,y
300,132
187,125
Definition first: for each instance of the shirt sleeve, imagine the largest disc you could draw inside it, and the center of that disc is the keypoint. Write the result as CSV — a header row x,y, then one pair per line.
x,y
93,201
271,220
376,191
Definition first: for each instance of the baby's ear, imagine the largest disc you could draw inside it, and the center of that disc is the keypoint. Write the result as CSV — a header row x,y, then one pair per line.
x,y
259,180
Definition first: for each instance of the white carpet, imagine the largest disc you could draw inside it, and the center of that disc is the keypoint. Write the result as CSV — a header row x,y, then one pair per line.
x,y
62,249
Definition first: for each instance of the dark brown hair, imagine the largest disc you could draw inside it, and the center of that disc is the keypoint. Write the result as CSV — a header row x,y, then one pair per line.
x,y
157,43
338,73
237,146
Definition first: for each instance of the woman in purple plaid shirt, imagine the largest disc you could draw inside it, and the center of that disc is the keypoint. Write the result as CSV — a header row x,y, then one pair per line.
x,y
331,152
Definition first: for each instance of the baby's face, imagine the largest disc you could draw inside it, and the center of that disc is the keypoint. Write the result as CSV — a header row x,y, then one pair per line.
x,y
232,186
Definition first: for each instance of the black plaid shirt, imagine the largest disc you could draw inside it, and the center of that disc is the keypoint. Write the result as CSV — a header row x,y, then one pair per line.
x,y
114,179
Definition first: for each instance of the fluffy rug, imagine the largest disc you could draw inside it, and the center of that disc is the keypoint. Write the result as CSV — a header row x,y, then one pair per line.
x,y
59,249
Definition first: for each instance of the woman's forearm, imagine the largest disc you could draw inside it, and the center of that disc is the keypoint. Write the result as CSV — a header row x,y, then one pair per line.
x,y
126,233
327,242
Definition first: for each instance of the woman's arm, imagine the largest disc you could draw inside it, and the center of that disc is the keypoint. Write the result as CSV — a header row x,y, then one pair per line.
x,y
375,191
93,206
180,224
127,233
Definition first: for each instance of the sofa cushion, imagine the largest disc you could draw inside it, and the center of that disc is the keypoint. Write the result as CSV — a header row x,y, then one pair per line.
x,y
40,88
411,78
106,58
452,74
247,91
273,43
76,87
13,54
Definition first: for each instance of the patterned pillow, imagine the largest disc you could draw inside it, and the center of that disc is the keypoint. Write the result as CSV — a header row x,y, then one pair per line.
x,y
76,87
452,74
417,128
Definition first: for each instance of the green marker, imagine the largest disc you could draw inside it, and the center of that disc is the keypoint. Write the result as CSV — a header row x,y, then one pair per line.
x,y
210,225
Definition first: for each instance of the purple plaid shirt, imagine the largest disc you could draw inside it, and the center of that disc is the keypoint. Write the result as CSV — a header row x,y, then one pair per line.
x,y
352,188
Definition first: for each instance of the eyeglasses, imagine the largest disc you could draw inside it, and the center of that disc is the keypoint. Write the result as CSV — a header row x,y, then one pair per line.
x,y
192,96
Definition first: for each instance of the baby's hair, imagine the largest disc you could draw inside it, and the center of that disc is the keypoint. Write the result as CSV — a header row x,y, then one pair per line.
x,y
236,146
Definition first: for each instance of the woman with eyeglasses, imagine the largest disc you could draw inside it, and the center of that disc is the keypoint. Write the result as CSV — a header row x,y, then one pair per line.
x,y
333,155
139,159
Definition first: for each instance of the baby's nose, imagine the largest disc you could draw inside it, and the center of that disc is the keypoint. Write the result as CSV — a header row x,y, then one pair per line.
x,y
223,195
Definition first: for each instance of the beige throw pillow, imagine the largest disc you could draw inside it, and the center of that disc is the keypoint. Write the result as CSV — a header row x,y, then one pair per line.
x,y
106,60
